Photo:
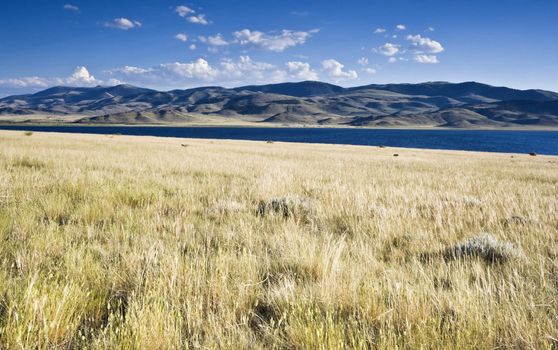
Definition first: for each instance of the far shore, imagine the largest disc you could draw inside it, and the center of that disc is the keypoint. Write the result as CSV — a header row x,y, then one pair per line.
x,y
5,121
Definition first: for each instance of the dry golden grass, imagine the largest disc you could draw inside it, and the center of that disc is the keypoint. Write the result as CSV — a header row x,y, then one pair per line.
x,y
139,242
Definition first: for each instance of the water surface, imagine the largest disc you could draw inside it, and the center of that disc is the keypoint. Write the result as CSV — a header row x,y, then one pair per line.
x,y
509,141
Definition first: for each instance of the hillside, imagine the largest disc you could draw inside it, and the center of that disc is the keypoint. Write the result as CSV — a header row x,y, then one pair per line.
x,y
435,104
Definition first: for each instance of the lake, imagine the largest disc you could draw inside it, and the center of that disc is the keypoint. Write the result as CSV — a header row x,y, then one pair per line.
x,y
509,141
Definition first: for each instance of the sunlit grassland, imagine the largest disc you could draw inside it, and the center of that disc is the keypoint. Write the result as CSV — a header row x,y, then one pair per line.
x,y
158,243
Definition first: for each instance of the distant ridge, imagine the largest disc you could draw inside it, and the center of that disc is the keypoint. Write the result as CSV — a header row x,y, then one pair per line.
x,y
302,89
434,104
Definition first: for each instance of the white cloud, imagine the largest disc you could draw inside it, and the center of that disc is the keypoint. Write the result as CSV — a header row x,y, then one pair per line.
x,y
183,11
430,29
226,72
363,61
81,77
199,69
379,30
425,44
198,19
181,37
123,23
192,47
216,40
189,14
26,82
369,70
432,59
246,69
131,70
388,49
269,42
70,7
392,60
301,70
334,69
113,82
400,27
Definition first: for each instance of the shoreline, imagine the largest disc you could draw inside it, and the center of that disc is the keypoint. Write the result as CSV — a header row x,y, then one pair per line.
x,y
273,126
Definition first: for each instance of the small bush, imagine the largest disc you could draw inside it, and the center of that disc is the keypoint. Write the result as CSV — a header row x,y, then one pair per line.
x,y
288,206
486,247
28,133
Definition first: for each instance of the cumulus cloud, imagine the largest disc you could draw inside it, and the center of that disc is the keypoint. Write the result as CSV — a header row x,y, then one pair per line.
x,y
71,8
225,72
81,77
369,70
432,59
400,27
199,69
363,61
122,23
392,60
273,42
334,69
198,19
192,47
301,70
216,40
379,30
247,69
423,44
181,37
388,49
191,15
183,11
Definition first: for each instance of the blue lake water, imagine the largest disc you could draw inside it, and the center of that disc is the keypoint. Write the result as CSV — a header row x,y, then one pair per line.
x,y
509,141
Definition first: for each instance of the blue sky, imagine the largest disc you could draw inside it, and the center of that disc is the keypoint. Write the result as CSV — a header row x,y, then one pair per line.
x,y
181,44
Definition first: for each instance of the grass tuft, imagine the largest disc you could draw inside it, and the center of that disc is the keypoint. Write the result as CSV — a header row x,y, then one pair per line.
x,y
27,162
486,247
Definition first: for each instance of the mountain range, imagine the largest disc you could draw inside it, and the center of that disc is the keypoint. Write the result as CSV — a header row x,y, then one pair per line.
x,y
432,104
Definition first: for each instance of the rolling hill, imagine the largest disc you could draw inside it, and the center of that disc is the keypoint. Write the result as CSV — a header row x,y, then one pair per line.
x,y
433,104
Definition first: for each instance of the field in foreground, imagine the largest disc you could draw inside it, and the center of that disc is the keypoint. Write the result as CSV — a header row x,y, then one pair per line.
x,y
146,243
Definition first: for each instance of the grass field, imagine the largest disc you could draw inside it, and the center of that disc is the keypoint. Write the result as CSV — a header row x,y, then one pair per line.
x,y
159,243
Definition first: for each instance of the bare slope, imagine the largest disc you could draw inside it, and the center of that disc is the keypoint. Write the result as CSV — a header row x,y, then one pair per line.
x,y
428,104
